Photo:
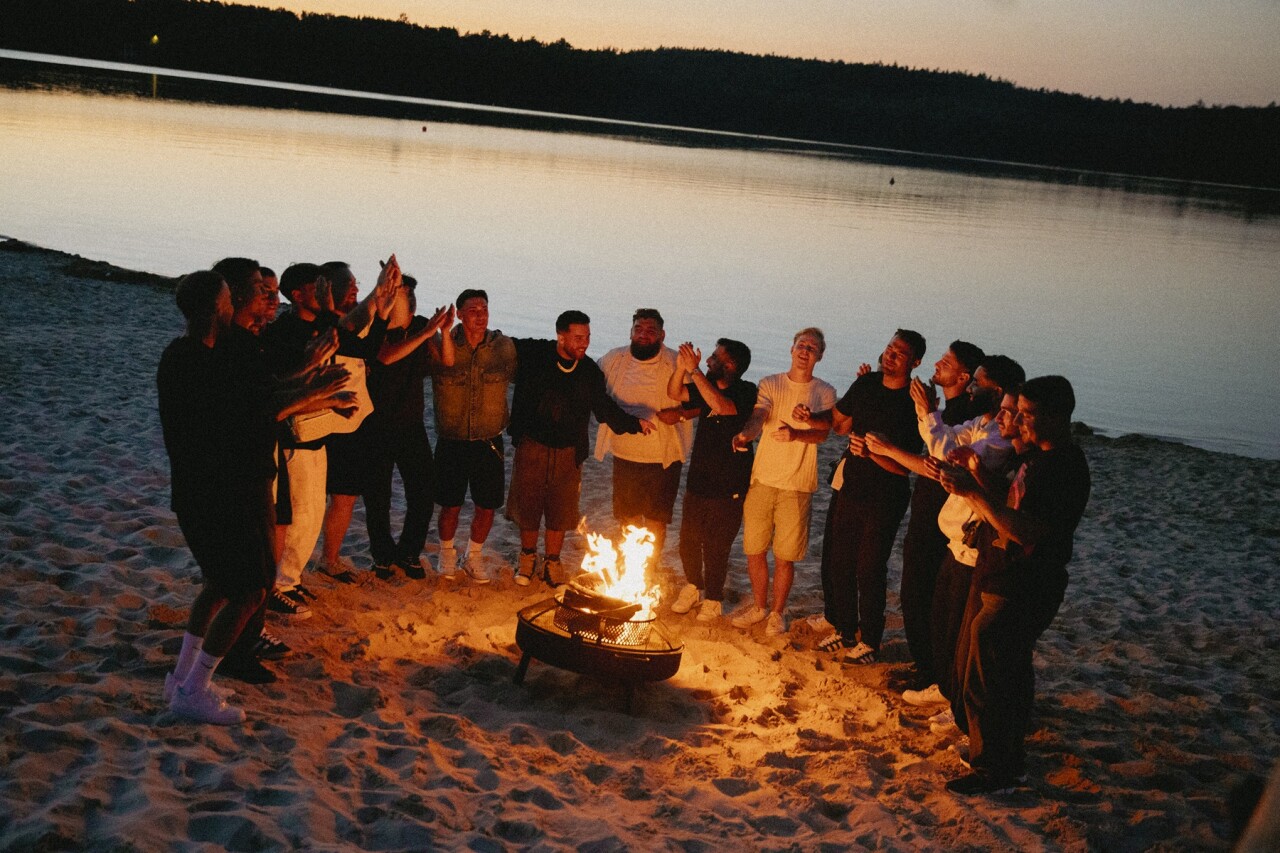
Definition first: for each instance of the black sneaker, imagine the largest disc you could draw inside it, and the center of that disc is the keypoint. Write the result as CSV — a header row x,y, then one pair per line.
x,y
288,604
246,669
413,569
552,572
981,782
270,647
384,571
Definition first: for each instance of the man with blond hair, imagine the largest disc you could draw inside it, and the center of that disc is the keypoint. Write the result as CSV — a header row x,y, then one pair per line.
x,y
784,477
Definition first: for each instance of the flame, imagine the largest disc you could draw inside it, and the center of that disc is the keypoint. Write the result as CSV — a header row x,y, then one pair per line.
x,y
624,578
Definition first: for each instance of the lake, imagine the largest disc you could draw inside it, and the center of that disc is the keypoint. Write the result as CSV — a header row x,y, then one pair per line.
x,y
1161,309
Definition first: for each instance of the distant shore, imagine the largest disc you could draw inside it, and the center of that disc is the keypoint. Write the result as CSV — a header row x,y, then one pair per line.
x,y
395,723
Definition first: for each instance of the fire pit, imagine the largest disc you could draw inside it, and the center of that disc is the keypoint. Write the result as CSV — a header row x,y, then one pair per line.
x,y
598,625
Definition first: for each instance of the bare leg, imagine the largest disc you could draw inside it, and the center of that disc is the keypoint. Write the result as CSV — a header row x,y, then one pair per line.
x,y
758,571
529,539
337,519
203,609
448,523
784,572
481,524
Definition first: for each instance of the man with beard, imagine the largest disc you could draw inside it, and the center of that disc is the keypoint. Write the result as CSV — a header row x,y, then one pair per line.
x,y
557,390
1024,543
719,475
214,417
646,466
870,496
978,442
300,493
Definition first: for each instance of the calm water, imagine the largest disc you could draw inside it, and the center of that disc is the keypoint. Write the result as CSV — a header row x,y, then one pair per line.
x,y
1163,314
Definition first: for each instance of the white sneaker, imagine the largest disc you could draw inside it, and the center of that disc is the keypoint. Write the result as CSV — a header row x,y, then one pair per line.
x,y
943,723
525,565
171,683
860,654
447,562
748,616
689,596
775,625
709,611
204,706
931,695
474,567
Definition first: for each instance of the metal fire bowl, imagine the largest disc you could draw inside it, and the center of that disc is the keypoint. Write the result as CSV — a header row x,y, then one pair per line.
x,y
538,636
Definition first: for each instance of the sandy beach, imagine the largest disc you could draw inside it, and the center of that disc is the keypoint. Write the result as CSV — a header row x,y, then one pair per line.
x,y
395,724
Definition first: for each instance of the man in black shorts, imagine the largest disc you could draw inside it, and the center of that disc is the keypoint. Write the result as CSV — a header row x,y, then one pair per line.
x,y
557,389
214,418
469,382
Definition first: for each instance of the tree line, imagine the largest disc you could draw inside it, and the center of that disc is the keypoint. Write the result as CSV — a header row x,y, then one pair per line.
x,y
832,101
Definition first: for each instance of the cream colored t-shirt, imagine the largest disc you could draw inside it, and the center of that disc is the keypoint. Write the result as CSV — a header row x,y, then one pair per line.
x,y
790,465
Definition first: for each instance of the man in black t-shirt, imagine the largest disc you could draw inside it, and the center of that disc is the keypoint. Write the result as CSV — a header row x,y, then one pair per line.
x,y
557,389
869,499
1024,545
719,474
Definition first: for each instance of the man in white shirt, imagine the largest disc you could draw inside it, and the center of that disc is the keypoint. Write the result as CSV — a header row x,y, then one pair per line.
x,y
783,478
646,467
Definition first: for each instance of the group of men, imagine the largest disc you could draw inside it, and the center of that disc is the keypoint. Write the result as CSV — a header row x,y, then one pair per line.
x,y
312,408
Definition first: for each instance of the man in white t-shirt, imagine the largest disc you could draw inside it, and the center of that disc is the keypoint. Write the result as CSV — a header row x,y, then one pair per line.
x,y
783,479
646,467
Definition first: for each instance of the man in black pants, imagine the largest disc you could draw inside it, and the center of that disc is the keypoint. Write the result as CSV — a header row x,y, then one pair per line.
x,y
397,438
923,545
1024,545
719,474
870,498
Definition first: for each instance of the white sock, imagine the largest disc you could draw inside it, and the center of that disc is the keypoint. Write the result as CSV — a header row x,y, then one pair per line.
x,y
191,646
201,673
446,544
475,547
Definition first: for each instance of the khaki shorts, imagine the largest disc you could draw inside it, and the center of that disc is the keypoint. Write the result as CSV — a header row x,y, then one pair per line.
x,y
780,516
545,483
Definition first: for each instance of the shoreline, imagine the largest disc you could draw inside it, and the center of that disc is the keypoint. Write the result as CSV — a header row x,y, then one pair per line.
x,y
79,266
395,723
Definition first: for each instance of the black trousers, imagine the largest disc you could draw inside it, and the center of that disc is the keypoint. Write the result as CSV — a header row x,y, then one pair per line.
x,y
855,561
923,549
997,688
404,447
708,527
946,619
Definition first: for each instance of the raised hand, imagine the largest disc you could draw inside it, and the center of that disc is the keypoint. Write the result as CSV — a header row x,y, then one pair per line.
x,y
784,432
857,444
864,369
688,358
878,443
801,413
324,294
924,396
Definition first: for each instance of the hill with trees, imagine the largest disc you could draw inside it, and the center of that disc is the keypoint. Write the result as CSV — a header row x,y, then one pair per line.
x,y
860,104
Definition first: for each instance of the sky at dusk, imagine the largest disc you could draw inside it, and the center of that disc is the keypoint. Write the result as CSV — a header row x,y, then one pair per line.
x,y
1164,51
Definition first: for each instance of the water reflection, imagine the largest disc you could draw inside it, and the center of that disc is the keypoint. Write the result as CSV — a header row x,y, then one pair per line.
x,y
1160,312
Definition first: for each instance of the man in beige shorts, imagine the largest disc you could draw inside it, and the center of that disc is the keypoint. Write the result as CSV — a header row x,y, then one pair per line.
x,y
783,479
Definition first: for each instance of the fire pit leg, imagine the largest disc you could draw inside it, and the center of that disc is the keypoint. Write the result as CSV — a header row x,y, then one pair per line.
x,y
522,668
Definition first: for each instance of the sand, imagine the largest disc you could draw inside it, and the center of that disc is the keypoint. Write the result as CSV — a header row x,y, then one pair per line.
x,y
395,724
